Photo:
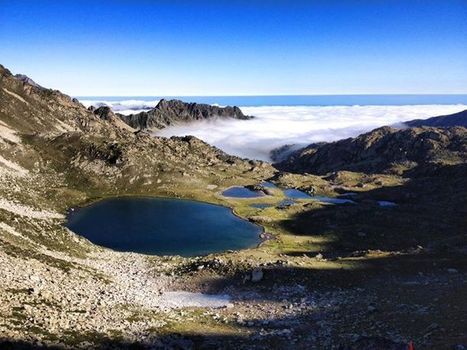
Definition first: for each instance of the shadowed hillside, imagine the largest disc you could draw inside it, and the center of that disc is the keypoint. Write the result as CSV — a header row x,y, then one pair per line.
x,y
383,150
444,121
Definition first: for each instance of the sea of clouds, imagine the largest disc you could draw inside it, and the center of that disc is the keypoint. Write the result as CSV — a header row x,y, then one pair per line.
x,y
122,106
276,126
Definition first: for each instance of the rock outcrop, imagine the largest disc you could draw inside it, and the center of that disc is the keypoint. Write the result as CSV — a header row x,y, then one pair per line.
x,y
383,150
106,113
456,119
281,153
103,112
169,112
27,80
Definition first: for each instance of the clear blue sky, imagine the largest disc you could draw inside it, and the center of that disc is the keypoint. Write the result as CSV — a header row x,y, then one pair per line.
x,y
237,47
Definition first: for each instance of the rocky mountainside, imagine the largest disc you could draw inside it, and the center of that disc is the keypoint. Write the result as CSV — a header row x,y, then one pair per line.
x,y
327,276
383,150
56,154
106,113
456,119
169,112
47,117
26,79
282,153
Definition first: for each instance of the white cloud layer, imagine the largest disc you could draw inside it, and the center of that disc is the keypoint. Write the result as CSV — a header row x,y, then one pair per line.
x,y
277,126
123,106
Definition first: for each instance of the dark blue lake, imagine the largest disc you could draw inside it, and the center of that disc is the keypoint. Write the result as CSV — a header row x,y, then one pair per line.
x,y
163,226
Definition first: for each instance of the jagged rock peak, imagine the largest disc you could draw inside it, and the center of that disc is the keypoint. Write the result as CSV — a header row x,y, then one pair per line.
x,y
200,109
26,79
103,112
168,112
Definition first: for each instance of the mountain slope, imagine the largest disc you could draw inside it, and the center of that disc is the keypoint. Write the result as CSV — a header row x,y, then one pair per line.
x,y
56,154
383,150
43,118
59,290
455,119
173,111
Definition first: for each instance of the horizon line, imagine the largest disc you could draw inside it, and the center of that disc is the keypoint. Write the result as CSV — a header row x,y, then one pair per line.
x,y
282,95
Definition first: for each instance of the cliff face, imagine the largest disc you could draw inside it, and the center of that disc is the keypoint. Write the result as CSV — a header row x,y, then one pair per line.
x,y
456,119
383,150
174,111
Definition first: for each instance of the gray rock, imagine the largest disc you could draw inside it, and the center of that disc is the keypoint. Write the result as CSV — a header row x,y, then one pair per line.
x,y
257,275
169,112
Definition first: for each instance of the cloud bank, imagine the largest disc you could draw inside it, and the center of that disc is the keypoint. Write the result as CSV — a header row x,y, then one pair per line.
x,y
276,126
123,106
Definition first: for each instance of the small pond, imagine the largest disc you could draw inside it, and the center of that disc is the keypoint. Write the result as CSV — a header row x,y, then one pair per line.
x,y
296,194
386,204
163,226
291,194
333,200
241,192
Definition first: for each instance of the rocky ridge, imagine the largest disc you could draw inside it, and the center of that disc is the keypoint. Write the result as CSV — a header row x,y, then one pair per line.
x,y
455,119
383,150
169,112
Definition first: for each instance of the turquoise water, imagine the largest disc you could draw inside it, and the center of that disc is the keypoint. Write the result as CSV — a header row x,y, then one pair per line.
x,y
163,226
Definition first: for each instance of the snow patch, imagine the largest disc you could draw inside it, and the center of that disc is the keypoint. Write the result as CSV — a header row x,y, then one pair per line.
x,y
179,299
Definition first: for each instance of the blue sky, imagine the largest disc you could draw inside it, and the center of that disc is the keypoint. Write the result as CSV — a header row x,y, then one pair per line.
x,y
237,47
